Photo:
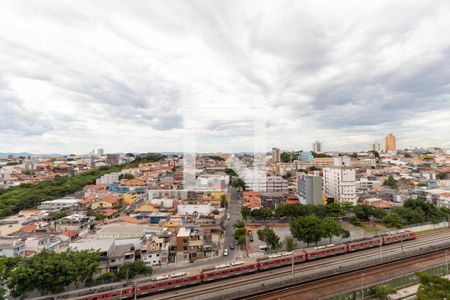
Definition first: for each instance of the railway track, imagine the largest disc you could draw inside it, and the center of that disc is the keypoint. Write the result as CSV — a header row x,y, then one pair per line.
x,y
195,291
353,276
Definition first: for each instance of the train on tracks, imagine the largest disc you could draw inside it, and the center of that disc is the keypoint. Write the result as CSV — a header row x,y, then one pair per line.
x,y
168,282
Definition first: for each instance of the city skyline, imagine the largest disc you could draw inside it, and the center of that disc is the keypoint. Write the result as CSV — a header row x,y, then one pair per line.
x,y
120,76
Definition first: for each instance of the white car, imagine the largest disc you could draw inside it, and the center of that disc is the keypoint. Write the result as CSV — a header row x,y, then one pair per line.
x,y
228,216
225,252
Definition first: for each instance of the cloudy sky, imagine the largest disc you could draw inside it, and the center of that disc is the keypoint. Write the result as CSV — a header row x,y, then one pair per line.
x,y
157,75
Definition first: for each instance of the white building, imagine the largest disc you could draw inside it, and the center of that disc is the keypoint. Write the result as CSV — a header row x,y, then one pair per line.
x,y
266,184
339,182
109,178
375,147
59,203
12,247
191,209
317,147
366,184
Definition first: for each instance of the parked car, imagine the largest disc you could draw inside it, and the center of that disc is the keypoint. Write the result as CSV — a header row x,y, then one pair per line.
x,y
231,246
225,252
228,216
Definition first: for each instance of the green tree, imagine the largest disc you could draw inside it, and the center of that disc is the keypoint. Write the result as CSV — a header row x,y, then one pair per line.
x,y
239,224
241,241
334,210
330,228
354,221
393,220
107,277
390,182
223,201
268,236
49,272
265,213
238,183
307,229
245,212
287,175
290,243
215,212
432,287
7,265
384,290
133,269
285,157
375,154
230,172
126,176
239,232
442,175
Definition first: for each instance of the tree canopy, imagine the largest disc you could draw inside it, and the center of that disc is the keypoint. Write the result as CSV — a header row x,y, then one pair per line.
x,y
432,287
49,272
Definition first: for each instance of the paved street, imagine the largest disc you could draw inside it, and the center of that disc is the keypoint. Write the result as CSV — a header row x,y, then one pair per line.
x,y
235,214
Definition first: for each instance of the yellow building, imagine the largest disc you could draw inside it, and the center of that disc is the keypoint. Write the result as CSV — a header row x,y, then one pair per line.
x,y
390,142
129,199
107,202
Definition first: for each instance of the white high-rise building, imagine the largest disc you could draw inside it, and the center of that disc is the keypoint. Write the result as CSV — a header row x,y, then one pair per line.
x,y
340,183
317,147
375,147
100,152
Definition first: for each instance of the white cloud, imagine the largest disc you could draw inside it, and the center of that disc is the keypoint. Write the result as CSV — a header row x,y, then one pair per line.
x,y
118,75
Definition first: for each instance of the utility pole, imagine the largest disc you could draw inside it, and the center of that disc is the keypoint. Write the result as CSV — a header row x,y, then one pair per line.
x,y
381,248
402,243
446,260
293,270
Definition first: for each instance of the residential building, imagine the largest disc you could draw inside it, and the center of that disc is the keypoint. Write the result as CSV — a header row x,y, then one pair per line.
x,y
276,155
59,203
129,198
122,230
317,147
266,183
375,147
339,182
390,143
309,188
113,159
100,152
194,209
109,179
322,162
12,247
306,156
79,224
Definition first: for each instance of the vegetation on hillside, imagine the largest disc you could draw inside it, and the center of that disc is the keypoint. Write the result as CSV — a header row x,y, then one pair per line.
x,y
29,196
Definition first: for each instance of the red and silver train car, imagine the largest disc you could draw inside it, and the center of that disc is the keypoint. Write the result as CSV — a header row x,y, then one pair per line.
x,y
229,270
398,237
325,251
364,244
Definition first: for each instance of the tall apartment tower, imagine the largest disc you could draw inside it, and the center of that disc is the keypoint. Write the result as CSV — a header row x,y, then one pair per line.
x,y
309,188
375,147
317,147
276,155
339,181
390,142
100,152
